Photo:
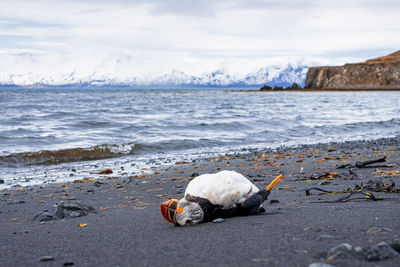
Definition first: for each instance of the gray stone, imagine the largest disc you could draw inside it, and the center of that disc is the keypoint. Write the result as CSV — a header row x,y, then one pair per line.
x,y
345,251
44,216
320,264
324,183
69,209
380,252
395,246
324,237
17,202
47,258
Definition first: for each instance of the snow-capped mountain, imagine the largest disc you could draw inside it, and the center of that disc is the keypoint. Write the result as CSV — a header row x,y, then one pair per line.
x,y
29,70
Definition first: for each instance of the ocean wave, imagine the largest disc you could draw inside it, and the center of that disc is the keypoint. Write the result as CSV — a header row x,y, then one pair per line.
x,y
381,123
49,157
92,124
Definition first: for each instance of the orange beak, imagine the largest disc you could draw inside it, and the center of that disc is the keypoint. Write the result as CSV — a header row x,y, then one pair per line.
x,y
274,182
168,210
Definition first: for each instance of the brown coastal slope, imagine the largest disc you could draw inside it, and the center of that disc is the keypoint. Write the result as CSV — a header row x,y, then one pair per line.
x,y
378,73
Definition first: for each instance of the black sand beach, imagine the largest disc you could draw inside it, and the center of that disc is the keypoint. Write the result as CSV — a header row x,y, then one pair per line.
x,y
126,228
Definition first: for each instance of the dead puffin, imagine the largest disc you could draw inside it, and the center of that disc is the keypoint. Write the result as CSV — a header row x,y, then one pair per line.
x,y
220,195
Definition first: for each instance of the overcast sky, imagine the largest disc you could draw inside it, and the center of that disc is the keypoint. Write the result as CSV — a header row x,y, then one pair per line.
x,y
198,35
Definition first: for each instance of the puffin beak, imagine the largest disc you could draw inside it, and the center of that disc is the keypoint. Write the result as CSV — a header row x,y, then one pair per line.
x,y
169,209
274,182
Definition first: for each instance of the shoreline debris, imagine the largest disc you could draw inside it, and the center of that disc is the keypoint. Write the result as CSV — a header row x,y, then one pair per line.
x,y
366,164
105,171
358,189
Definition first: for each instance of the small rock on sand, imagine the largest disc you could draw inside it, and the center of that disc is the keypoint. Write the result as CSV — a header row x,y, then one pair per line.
x,y
69,209
345,251
105,171
320,264
380,252
44,216
47,258
324,183
376,253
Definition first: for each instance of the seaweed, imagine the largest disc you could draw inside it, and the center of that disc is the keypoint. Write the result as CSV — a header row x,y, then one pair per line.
x,y
358,189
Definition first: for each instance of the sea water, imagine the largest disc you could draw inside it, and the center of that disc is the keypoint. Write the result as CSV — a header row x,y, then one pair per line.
x,y
57,135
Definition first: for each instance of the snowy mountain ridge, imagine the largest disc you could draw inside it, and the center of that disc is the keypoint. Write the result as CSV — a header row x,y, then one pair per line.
x,y
30,70
267,75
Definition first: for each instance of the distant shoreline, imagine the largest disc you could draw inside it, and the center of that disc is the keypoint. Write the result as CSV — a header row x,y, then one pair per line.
x,y
321,90
228,89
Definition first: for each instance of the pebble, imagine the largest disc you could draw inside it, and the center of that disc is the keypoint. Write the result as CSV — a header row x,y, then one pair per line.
x,y
17,202
274,201
324,183
396,246
71,209
260,259
320,264
324,237
47,258
345,251
44,216
380,252
218,220
98,184
375,230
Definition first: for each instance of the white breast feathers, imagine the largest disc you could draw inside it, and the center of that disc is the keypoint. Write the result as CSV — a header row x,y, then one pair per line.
x,y
225,188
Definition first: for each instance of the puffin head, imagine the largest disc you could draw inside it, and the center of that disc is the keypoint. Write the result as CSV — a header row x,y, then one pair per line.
x,y
181,212
169,210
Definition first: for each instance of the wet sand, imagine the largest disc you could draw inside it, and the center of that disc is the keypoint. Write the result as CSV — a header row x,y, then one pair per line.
x,y
296,230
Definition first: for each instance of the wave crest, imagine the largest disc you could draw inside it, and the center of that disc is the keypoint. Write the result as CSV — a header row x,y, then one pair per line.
x,y
49,157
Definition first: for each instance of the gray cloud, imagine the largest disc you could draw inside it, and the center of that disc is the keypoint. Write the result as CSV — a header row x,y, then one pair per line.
x,y
199,34
184,8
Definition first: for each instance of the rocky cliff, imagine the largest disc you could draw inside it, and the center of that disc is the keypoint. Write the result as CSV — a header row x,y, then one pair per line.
x,y
378,73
